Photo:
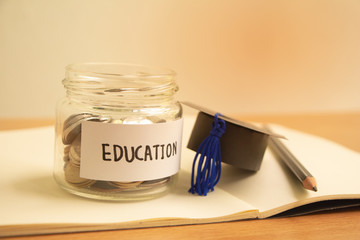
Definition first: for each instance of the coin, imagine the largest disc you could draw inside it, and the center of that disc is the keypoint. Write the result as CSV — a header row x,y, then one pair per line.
x,y
155,119
104,187
72,125
72,155
154,183
75,151
125,185
72,176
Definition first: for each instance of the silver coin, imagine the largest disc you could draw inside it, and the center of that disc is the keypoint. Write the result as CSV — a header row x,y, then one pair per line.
x,y
155,183
66,157
72,125
72,176
125,185
75,151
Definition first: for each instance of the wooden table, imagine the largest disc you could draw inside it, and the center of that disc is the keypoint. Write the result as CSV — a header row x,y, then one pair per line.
x,y
343,128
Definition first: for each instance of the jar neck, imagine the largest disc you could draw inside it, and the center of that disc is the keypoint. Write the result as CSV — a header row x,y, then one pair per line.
x,y
119,85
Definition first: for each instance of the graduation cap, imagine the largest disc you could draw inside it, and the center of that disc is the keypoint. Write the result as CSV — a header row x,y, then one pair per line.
x,y
242,145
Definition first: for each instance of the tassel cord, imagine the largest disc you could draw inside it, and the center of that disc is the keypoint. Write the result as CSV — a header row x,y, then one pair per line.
x,y
209,163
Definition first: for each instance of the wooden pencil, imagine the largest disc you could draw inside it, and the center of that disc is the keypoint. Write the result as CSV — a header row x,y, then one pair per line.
x,y
303,175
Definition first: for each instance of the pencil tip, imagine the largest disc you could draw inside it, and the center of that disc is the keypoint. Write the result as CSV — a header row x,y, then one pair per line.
x,y
309,183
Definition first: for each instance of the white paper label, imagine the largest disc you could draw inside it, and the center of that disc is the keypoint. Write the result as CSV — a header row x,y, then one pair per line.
x,y
130,152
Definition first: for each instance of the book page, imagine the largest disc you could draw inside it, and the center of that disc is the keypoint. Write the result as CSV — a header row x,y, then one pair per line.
x,y
274,188
29,194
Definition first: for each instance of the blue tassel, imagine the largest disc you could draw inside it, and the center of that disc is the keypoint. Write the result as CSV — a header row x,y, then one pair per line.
x,y
209,163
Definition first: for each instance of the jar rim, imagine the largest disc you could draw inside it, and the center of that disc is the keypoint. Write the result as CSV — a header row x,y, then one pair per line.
x,y
118,78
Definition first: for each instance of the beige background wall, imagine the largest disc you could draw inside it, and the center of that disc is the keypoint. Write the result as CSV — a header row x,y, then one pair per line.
x,y
237,57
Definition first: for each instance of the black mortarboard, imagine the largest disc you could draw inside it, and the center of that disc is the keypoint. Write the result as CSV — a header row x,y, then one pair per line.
x,y
242,145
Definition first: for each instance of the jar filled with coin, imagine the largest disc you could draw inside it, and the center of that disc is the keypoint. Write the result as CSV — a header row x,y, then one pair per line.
x,y
118,132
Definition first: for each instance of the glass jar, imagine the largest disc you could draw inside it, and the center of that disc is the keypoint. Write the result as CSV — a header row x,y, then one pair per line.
x,y
118,132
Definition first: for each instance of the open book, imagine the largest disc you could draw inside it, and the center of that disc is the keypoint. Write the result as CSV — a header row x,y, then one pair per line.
x,y
32,203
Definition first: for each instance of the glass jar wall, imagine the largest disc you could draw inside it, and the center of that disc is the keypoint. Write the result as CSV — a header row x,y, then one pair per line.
x,y
118,132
